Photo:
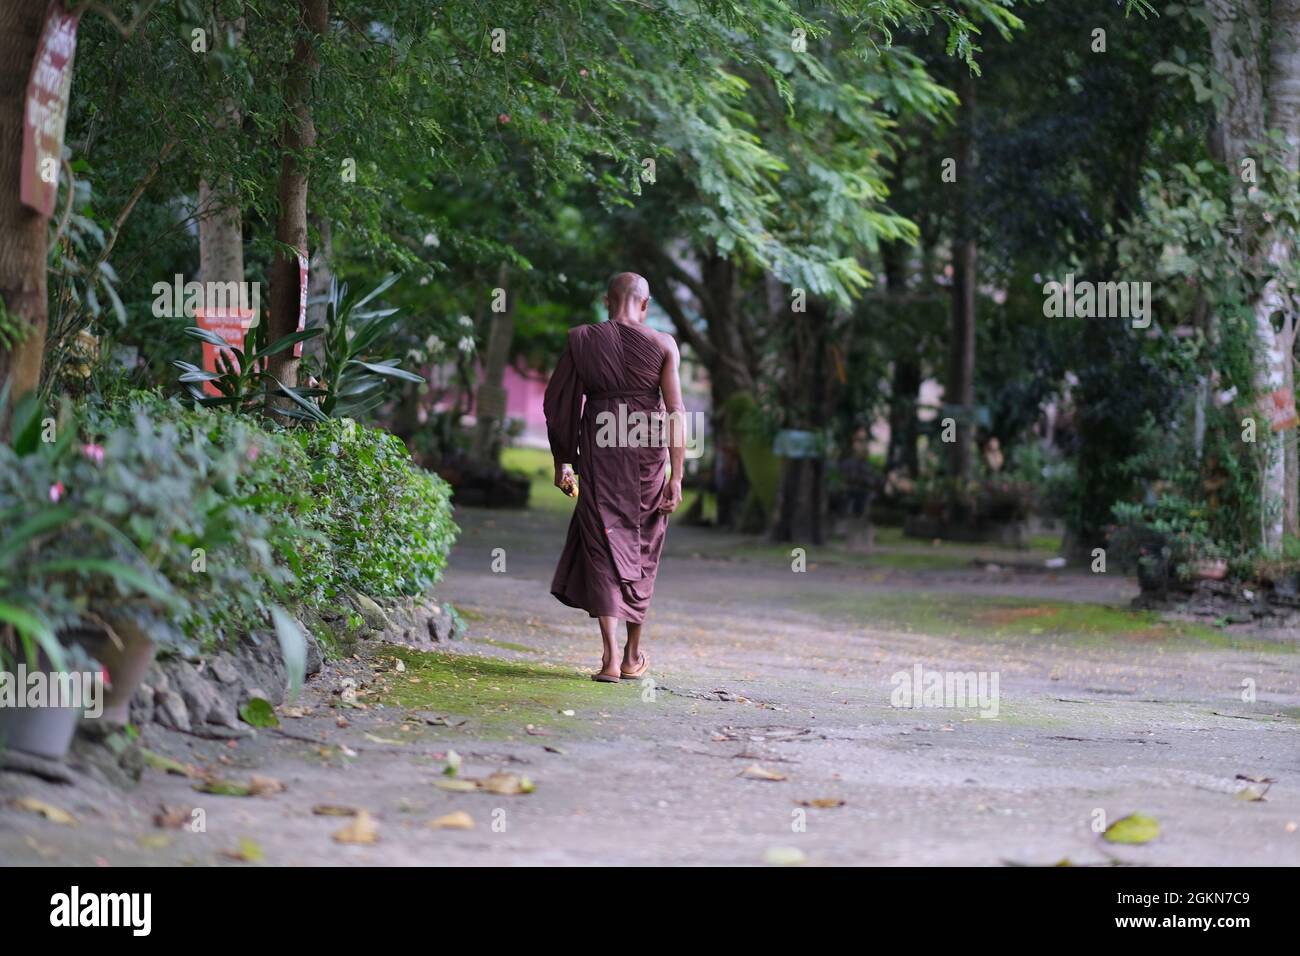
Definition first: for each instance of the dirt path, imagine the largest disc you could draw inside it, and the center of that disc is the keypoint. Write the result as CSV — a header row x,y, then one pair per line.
x,y
1100,712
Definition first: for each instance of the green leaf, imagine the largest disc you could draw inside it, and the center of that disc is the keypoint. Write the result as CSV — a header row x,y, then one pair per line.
x,y
258,712
1134,828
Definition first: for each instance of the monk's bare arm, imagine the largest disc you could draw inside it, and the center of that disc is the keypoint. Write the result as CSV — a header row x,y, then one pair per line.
x,y
671,386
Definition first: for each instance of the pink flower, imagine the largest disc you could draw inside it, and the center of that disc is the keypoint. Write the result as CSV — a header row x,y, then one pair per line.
x,y
253,452
503,119
56,491
94,452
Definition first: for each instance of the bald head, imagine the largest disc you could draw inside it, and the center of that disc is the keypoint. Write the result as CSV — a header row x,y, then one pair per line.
x,y
627,297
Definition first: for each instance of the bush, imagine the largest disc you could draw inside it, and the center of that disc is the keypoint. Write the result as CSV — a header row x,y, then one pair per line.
x,y
185,487
272,515
385,524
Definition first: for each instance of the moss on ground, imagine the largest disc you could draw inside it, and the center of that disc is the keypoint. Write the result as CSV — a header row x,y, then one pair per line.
x,y
1025,620
500,697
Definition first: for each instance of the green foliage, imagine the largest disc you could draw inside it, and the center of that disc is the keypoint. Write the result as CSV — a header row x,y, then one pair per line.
x,y
353,379
244,378
386,524
59,557
186,488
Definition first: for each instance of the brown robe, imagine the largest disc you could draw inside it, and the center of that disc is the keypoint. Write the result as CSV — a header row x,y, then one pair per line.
x,y
611,554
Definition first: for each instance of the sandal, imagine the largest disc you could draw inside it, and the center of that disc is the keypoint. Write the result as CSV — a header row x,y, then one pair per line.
x,y
640,672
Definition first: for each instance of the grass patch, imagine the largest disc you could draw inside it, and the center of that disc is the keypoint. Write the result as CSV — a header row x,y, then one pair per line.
x,y
535,464
504,645
500,697
1027,621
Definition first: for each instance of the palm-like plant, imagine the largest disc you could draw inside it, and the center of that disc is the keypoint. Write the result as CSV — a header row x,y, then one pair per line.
x,y
354,380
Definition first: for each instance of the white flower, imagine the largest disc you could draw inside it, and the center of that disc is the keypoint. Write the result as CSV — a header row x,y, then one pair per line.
x,y
430,239
466,321
433,344
466,343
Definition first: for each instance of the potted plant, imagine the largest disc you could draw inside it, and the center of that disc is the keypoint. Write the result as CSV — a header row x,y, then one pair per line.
x,y
56,554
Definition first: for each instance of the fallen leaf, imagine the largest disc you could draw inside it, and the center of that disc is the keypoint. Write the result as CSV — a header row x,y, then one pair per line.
x,y
173,818
507,784
552,750
258,712
263,786
168,765
822,803
1135,828
361,830
755,772
1253,792
223,788
332,810
784,856
401,666
48,810
297,713
567,713
456,786
453,764
249,851
375,738
155,841
459,820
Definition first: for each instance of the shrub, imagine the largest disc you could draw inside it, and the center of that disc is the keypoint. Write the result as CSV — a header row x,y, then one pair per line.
x,y
386,523
185,487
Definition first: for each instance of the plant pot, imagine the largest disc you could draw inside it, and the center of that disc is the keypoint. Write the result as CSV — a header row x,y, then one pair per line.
x,y
40,731
125,660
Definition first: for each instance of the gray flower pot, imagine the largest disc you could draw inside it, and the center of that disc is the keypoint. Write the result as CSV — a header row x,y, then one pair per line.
x,y
41,731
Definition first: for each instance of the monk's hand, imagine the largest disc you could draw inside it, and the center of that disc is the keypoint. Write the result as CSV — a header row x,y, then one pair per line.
x,y
565,480
672,497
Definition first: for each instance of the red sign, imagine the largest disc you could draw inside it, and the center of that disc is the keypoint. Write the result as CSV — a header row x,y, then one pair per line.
x,y
46,110
231,325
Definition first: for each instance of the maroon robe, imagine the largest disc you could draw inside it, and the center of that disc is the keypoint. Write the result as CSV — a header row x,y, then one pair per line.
x,y
611,554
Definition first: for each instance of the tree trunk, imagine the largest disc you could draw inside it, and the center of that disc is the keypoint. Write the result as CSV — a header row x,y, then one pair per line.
x,y
23,233
490,405
318,284
1235,31
1284,115
297,137
906,381
959,393
807,389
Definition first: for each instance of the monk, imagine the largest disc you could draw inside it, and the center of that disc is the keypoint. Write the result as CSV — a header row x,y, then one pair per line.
x,y
620,371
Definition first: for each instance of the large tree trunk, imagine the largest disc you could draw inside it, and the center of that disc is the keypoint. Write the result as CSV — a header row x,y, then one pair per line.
x,y
23,233
297,137
221,230
1284,115
905,386
959,393
723,348
801,497
1235,31
490,404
